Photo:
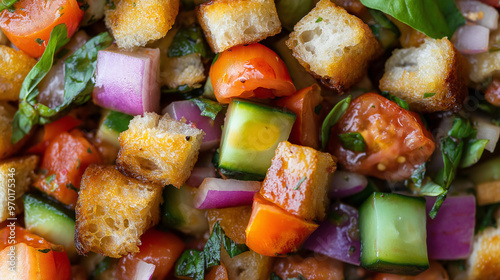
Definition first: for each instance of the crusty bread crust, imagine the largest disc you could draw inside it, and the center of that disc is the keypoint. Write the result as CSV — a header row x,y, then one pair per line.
x,y
113,211
7,113
14,67
228,23
334,46
483,263
434,67
162,151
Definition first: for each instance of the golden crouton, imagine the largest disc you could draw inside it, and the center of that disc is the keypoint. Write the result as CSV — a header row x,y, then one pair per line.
x,y
410,37
488,193
14,66
136,22
161,151
297,180
248,265
113,211
431,78
333,45
228,23
16,175
483,263
185,70
6,116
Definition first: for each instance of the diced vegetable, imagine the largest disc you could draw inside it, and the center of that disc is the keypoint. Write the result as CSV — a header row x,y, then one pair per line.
x,y
345,183
471,39
272,231
178,211
291,11
203,120
248,71
488,193
112,124
450,234
29,23
156,257
314,267
52,130
199,174
127,81
492,93
435,272
50,221
487,171
487,130
220,193
386,32
479,13
251,134
189,40
304,104
392,231
94,11
218,272
338,236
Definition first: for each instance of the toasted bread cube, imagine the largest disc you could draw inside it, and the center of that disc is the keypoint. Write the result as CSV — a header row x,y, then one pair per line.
x,y
185,70
16,175
14,66
483,263
113,211
136,22
228,23
248,265
6,116
161,151
333,45
488,193
431,77
297,180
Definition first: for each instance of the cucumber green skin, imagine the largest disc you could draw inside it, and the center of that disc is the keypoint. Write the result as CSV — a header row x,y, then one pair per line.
x,y
485,172
53,222
392,230
243,161
113,123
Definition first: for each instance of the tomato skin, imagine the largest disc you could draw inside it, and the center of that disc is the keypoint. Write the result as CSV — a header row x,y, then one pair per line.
x,y
67,156
492,93
396,140
31,263
35,19
52,130
159,248
248,71
303,103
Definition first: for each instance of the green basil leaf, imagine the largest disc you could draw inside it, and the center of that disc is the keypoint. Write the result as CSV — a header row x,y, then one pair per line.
x,y
291,11
332,118
431,189
191,264
434,18
300,277
462,128
274,276
232,248
6,4
22,124
473,151
189,40
208,108
439,201
418,175
353,141
429,94
485,216
213,247
401,103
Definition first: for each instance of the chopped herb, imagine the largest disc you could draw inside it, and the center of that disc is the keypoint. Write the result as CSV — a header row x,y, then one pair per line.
x,y
189,40
401,103
300,182
215,58
191,264
274,276
473,151
39,41
353,141
319,19
332,118
232,248
133,5
213,247
485,216
462,128
429,94
45,251
71,187
11,9
352,249
373,106
317,109
111,5
208,108
79,163
89,150
84,7
49,179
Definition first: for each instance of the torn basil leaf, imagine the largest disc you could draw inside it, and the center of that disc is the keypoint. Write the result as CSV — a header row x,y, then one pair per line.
x,y
332,118
353,141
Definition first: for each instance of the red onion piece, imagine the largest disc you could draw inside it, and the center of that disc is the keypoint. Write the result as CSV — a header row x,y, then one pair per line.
x,y
220,193
450,234
479,13
189,110
128,81
144,271
346,183
471,39
199,174
338,236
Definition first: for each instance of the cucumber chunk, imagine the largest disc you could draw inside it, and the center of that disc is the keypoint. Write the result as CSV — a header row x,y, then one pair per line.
x,y
178,211
51,221
112,124
392,230
251,134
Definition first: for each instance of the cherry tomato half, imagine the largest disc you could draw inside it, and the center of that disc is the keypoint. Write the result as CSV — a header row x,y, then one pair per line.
x,y
248,71
396,140
28,27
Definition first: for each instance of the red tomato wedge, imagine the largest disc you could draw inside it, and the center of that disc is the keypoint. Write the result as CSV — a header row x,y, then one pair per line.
x,y
34,257
65,159
28,27
52,130
303,103
396,140
159,248
248,71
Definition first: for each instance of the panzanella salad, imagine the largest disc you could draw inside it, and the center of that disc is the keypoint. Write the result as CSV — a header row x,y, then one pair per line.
x,y
250,139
